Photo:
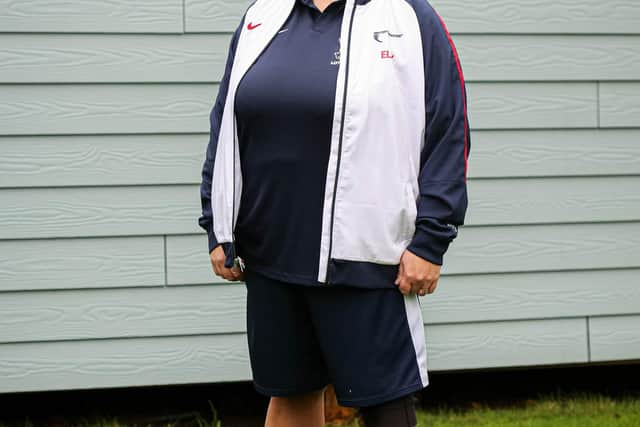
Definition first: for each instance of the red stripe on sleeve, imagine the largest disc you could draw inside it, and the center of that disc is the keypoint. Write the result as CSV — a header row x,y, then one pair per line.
x,y
455,54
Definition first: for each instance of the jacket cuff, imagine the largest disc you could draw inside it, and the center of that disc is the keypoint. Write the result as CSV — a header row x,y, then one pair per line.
x,y
229,251
213,241
429,244
227,247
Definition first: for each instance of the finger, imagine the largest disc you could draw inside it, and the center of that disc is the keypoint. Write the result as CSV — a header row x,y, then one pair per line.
x,y
404,286
432,286
400,273
227,274
426,289
407,278
416,285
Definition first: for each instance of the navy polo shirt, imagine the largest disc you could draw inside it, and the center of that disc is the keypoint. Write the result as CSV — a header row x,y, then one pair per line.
x,y
284,113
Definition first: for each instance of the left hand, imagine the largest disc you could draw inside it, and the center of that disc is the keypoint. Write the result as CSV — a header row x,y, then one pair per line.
x,y
416,274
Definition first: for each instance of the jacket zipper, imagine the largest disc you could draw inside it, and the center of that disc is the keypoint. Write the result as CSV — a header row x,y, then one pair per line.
x,y
344,102
237,261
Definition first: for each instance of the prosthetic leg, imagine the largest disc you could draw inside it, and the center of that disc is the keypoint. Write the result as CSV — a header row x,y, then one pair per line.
x,y
399,412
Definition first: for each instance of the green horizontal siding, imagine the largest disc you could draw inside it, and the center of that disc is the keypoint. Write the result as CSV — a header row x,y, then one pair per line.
x,y
186,309
117,58
77,16
139,159
541,16
51,109
159,209
29,264
202,16
485,249
105,280
204,358
620,104
614,337
471,16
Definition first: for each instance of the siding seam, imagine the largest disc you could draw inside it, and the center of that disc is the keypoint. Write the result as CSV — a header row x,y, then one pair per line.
x,y
598,104
588,340
164,250
184,17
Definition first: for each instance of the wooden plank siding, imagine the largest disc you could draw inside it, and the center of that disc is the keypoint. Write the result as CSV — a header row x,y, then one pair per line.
x,y
32,264
146,159
471,16
208,358
89,16
105,279
121,312
614,337
50,109
484,249
620,104
158,209
117,58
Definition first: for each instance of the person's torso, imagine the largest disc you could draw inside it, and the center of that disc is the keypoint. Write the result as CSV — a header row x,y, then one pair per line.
x,y
369,204
284,109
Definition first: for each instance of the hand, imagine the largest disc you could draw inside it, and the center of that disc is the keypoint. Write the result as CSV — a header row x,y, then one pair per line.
x,y
217,261
416,274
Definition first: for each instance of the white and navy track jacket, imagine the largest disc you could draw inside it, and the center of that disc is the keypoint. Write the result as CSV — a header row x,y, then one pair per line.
x,y
396,176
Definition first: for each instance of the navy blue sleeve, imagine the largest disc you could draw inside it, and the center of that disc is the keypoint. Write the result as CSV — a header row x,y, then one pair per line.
x,y
442,203
206,219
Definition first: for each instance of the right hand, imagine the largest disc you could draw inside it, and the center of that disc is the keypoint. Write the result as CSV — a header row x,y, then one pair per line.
x,y
218,257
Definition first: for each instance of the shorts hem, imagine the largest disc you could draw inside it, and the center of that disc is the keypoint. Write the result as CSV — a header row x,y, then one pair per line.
x,y
285,392
380,398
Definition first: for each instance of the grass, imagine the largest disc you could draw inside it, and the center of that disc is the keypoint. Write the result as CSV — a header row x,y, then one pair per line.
x,y
578,410
551,410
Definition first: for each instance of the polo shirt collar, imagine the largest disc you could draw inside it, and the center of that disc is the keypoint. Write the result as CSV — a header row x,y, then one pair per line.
x,y
311,4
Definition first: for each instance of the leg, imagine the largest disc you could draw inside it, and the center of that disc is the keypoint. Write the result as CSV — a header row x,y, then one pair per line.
x,y
293,411
286,359
399,412
372,340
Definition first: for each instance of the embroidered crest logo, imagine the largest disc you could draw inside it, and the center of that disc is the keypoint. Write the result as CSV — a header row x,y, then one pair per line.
x,y
335,60
377,35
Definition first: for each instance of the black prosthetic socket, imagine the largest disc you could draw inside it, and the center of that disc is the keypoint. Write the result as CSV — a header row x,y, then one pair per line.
x,y
399,412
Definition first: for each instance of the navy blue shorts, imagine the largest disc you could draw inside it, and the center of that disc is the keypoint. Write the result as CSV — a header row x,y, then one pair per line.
x,y
368,343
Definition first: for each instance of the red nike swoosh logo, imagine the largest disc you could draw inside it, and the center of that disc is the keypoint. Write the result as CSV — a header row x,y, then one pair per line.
x,y
251,26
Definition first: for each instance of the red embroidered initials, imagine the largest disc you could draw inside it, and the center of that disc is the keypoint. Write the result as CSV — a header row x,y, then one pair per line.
x,y
386,54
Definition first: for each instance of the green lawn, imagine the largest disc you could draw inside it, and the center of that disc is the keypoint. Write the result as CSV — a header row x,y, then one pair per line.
x,y
551,411
576,410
